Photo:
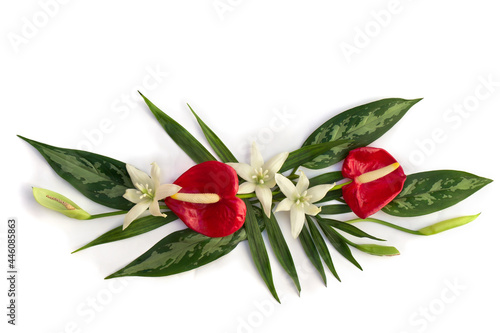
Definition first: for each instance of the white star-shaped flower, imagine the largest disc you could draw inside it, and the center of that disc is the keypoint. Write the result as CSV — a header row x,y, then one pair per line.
x,y
147,192
299,199
259,176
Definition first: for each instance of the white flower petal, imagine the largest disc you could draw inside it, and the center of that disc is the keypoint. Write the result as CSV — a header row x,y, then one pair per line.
x,y
270,183
311,209
133,195
266,198
275,163
139,176
243,170
135,212
154,209
246,187
256,160
155,175
166,190
287,187
297,218
284,205
318,192
303,183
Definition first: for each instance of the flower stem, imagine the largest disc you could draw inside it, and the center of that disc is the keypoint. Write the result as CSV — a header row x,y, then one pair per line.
x,y
387,224
253,195
97,216
339,186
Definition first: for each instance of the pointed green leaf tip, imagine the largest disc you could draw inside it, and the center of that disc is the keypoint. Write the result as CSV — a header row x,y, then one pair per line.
x,y
59,203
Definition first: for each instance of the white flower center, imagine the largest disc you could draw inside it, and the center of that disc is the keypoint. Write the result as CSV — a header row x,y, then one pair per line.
x,y
260,176
303,199
145,190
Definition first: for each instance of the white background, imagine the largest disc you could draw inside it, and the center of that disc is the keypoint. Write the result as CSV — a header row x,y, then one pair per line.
x,y
253,70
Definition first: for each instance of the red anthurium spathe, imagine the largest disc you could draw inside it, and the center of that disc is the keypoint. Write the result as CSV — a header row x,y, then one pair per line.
x,y
207,201
377,178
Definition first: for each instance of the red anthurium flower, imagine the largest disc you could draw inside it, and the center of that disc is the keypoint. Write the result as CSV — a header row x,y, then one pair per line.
x,y
207,201
376,179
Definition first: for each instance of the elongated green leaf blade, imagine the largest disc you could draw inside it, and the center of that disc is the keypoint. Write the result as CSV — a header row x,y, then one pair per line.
x,y
376,249
349,228
321,246
217,145
326,178
188,143
312,252
280,248
362,124
100,178
179,252
335,209
338,243
432,191
307,153
258,249
138,227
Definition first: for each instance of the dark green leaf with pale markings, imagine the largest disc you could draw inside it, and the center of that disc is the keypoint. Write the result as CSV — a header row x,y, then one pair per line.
x,y
188,143
100,178
428,192
362,124
182,251
138,227
307,153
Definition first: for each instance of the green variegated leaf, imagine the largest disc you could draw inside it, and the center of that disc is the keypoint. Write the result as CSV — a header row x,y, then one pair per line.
x,y
188,143
311,251
100,178
217,145
362,125
138,227
179,252
321,246
307,153
428,192
182,251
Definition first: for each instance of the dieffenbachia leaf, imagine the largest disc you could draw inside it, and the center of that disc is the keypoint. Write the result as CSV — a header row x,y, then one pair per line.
x,y
138,227
432,191
338,243
179,252
307,153
321,246
312,252
280,248
182,251
188,143
100,178
217,145
258,249
362,125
